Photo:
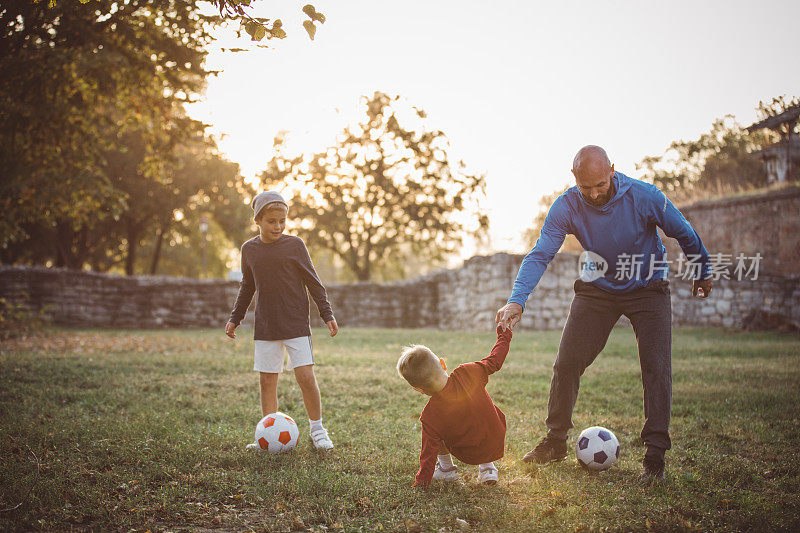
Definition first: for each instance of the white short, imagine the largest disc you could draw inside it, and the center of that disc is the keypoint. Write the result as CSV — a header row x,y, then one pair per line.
x,y
270,355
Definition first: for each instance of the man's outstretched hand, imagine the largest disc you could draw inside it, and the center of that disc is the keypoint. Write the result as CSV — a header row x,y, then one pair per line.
x,y
702,288
508,315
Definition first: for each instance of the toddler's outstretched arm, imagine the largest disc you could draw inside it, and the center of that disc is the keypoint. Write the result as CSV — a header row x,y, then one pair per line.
x,y
494,361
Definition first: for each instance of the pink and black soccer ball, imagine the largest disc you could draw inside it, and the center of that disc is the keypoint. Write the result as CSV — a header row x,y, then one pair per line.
x,y
597,448
277,433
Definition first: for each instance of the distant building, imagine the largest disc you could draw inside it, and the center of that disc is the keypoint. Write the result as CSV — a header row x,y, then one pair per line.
x,y
782,159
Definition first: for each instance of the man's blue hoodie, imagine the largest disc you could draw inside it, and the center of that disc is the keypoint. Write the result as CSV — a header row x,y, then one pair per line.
x,y
622,232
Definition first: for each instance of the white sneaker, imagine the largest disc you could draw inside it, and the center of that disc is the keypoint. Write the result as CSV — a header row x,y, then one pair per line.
x,y
487,475
254,446
321,439
449,474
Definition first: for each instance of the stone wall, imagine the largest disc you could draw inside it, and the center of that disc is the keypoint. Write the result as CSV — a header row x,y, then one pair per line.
x,y
460,299
90,299
767,223
464,298
468,298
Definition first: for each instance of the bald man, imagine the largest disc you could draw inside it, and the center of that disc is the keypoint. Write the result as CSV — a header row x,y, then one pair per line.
x,y
623,272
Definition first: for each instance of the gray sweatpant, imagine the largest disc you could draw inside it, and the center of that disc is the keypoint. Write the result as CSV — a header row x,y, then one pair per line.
x,y
591,316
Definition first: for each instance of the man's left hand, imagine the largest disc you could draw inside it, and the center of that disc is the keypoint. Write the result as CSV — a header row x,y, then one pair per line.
x,y
702,288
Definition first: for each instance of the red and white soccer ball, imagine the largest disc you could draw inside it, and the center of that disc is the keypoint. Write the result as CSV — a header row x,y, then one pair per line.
x,y
597,448
277,433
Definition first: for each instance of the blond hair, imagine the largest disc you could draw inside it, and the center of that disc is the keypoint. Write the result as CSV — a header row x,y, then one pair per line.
x,y
419,366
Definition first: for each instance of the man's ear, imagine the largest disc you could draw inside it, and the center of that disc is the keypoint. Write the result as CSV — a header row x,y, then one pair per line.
x,y
612,168
573,173
444,365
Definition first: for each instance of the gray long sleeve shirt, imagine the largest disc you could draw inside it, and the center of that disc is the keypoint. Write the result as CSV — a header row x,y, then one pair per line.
x,y
280,271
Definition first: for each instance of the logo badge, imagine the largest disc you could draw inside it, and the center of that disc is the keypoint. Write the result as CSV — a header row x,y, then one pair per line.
x,y
591,266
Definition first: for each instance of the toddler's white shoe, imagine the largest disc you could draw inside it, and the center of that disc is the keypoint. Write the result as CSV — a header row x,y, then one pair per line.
x,y
254,446
487,475
442,474
321,439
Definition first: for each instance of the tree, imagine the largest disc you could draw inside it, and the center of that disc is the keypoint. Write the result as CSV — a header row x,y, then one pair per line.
x,y
164,207
92,128
95,140
720,161
162,203
71,75
387,185
211,187
531,235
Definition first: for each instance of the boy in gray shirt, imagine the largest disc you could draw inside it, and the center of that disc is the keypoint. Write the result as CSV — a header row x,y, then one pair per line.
x,y
279,268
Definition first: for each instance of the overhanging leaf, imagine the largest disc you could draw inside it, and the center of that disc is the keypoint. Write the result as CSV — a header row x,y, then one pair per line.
x,y
313,14
260,33
310,28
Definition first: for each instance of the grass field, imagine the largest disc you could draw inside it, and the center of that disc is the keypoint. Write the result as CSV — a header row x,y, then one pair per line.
x,y
146,430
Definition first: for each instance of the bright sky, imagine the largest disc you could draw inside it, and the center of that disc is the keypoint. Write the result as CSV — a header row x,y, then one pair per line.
x,y
518,87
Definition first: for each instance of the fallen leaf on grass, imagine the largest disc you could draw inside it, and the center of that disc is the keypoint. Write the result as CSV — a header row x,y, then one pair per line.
x,y
412,526
462,524
364,502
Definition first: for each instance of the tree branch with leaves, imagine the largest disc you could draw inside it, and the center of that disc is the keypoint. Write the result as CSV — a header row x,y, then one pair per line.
x,y
260,28
388,186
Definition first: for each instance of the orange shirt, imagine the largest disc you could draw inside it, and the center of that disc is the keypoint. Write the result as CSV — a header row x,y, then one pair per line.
x,y
463,415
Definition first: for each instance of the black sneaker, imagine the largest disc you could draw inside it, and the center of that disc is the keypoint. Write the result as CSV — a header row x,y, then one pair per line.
x,y
652,471
549,450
